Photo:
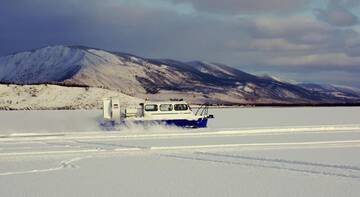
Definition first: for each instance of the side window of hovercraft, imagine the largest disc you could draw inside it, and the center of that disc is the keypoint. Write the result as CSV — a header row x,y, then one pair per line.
x,y
151,107
181,107
166,107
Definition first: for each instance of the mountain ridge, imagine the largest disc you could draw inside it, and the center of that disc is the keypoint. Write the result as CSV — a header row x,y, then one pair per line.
x,y
197,81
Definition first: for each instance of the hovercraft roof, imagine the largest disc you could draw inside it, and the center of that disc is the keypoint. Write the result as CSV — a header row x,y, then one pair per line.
x,y
164,102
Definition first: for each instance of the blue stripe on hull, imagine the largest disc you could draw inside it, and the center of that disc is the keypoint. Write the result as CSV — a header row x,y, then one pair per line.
x,y
201,123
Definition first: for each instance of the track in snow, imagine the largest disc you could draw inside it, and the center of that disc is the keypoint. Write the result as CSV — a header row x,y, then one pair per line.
x,y
196,145
118,142
343,171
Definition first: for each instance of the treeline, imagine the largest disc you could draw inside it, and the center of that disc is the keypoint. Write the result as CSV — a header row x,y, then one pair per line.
x,y
65,84
9,108
289,105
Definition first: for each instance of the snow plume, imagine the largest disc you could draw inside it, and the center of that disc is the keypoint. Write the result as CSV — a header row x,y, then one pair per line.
x,y
131,127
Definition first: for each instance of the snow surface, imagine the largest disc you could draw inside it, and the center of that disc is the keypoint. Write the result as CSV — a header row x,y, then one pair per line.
x,y
244,152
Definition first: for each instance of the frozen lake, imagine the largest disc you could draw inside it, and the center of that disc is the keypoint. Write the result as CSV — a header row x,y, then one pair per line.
x,y
228,118
244,152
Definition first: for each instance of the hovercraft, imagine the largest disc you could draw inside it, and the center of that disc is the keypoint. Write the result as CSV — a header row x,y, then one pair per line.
x,y
174,113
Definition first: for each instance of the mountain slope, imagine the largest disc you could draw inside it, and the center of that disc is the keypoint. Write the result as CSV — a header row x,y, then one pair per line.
x,y
39,97
43,65
155,78
333,90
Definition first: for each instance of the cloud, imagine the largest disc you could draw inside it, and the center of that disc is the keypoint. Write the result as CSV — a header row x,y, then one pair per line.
x,y
301,34
327,60
245,6
277,44
352,45
347,3
287,26
338,13
128,26
290,41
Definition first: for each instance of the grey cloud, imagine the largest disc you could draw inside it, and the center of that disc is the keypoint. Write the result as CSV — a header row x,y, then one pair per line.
x,y
347,3
115,25
279,27
353,46
304,34
338,13
278,44
245,6
328,60
154,31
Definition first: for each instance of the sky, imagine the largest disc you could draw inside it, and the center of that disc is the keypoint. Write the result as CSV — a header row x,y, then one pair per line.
x,y
295,40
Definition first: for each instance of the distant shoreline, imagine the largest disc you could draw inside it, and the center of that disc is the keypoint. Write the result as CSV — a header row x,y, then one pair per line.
x,y
289,105
62,97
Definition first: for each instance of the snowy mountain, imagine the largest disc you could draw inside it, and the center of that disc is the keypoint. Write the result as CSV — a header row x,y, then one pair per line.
x,y
333,90
156,78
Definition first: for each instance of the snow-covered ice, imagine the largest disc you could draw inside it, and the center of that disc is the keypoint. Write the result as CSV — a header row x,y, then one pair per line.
x,y
244,152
